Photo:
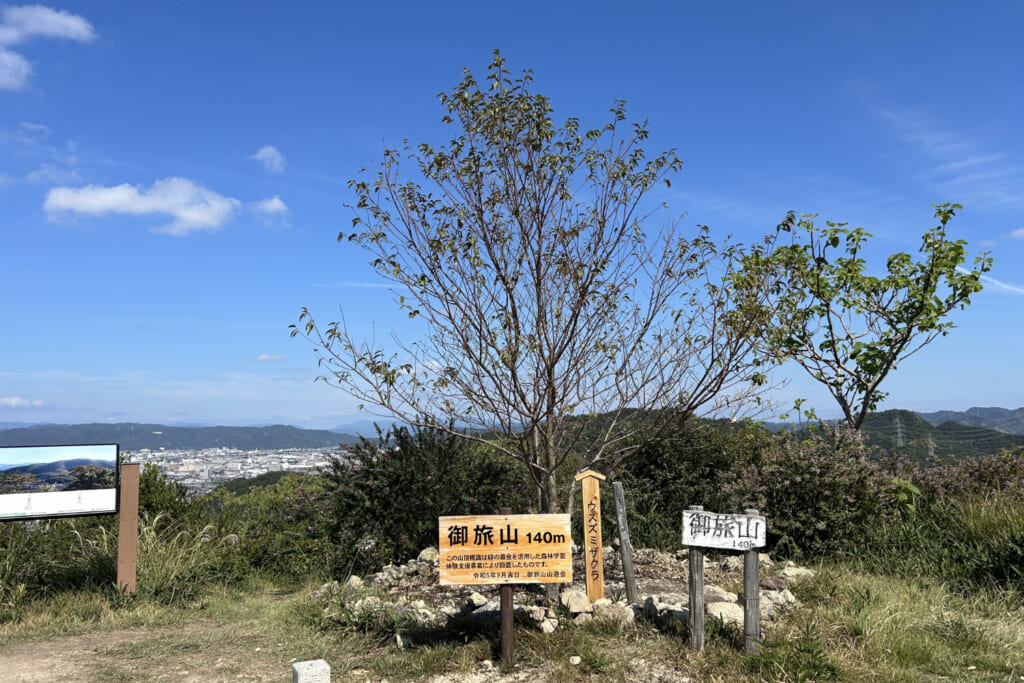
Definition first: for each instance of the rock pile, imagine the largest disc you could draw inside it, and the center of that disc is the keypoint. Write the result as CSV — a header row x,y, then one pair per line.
x,y
410,596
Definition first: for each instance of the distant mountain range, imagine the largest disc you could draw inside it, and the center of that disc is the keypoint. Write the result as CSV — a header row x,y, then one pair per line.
x,y
58,467
132,436
910,434
999,419
974,432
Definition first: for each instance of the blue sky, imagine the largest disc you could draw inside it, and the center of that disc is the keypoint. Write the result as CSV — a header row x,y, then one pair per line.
x,y
172,174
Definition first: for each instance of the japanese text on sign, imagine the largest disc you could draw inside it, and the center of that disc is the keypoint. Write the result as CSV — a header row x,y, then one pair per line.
x,y
504,549
729,532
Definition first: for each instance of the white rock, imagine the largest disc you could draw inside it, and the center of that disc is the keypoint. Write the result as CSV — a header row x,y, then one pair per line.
x,y
576,601
718,594
794,573
575,660
547,626
621,614
370,602
428,555
476,601
728,612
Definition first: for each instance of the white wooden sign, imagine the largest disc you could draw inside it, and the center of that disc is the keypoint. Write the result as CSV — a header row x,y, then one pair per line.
x,y
705,529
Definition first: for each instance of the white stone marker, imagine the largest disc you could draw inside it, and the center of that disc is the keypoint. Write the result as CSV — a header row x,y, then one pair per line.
x,y
313,671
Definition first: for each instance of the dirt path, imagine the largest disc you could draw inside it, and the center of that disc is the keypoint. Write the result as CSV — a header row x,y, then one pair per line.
x,y
64,659
125,655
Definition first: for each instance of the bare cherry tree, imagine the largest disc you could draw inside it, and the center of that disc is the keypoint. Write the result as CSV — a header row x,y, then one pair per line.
x,y
558,322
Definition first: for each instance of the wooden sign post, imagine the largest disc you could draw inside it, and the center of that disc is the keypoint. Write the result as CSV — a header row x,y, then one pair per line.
x,y
504,549
746,532
625,547
128,529
593,560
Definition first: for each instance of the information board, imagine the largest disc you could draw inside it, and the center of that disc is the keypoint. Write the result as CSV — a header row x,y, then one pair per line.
x,y
504,549
37,482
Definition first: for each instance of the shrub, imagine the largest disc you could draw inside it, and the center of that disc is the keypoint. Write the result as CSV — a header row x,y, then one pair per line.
x,y
283,528
819,495
662,480
387,495
158,495
973,477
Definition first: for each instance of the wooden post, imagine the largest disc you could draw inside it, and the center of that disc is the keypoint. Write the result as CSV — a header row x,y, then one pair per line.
x,y
625,547
593,560
128,529
507,613
696,562
751,597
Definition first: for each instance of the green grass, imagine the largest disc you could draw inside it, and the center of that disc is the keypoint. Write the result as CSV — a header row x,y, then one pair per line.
x,y
850,626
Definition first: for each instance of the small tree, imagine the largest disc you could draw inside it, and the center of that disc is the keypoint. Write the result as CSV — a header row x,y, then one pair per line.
x,y
89,477
847,328
523,246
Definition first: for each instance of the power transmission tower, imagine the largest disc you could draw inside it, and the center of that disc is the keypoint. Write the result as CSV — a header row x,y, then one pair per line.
x,y
899,431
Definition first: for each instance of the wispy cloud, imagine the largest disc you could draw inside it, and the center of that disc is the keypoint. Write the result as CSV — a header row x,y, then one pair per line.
x,y
35,128
193,207
272,159
267,358
1002,285
18,402
965,168
20,24
270,210
999,284
1018,233
53,174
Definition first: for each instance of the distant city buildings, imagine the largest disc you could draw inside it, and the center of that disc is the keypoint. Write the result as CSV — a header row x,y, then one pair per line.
x,y
202,470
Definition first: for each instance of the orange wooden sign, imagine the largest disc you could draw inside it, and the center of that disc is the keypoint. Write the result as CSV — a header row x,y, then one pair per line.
x,y
592,532
504,549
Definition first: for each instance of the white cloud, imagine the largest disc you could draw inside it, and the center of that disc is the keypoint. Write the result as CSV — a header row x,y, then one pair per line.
x,y
14,70
28,21
193,207
35,128
19,24
272,206
270,211
18,402
1018,233
273,160
999,284
268,358
1002,285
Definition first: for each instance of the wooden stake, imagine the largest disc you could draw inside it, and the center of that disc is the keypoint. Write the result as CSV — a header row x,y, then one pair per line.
x,y
128,529
593,560
625,547
751,598
507,612
696,562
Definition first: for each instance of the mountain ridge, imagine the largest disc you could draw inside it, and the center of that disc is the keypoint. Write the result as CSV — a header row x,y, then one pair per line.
x,y
999,419
133,436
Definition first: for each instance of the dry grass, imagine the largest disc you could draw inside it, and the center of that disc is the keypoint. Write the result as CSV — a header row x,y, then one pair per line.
x,y
851,626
